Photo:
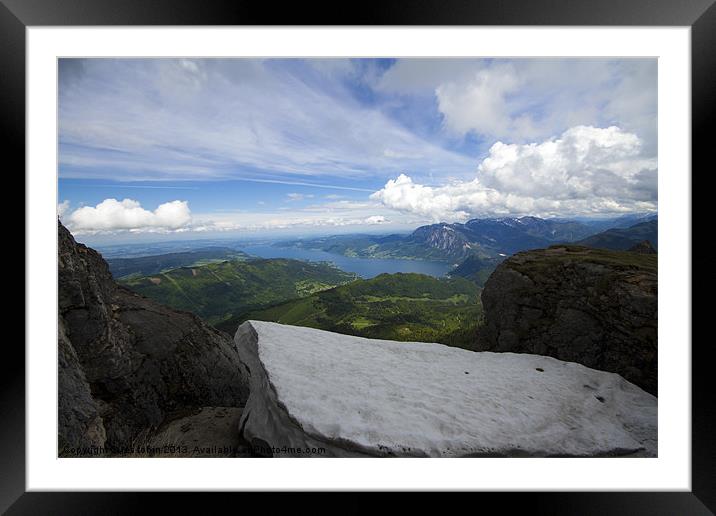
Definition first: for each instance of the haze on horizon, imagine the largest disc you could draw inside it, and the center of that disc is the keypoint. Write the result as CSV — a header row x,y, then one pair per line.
x,y
190,148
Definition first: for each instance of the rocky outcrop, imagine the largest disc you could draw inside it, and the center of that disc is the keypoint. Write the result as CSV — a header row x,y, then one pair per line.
x,y
591,306
126,362
322,394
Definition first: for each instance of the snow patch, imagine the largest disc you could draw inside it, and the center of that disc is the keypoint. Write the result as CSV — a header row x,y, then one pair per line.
x,y
350,396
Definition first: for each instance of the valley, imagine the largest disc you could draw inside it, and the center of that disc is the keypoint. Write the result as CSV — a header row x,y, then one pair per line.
x,y
216,292
404,307
424,286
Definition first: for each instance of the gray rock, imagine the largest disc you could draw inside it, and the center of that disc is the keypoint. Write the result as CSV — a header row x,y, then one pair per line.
x,y
130,360
80,423
591,306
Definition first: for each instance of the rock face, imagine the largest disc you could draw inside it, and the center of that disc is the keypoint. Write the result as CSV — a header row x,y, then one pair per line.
x,y
317,393
591,306
126,362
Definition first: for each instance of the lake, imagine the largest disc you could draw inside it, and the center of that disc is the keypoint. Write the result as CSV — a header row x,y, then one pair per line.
x,y
364,267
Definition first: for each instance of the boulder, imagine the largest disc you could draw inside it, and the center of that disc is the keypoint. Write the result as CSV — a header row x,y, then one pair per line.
x,y
317,393
126,362
596,307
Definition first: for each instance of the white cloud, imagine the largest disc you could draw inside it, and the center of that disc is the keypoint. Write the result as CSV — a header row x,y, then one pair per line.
x,y
113,215
128,216
215,118
272,221
63,207
375,219
479,103
528,99
587,170
298,196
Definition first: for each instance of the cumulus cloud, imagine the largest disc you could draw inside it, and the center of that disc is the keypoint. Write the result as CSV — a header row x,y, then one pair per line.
x,y
128,214
375,219
112,216
531,99
586,170
479,103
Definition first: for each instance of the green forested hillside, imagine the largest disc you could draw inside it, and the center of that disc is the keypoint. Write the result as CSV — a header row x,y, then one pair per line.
x,y
476,269
217,292
153,264
407,307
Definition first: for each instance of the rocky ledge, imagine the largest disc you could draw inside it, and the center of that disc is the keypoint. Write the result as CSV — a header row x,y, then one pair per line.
x,y
592,306
317,393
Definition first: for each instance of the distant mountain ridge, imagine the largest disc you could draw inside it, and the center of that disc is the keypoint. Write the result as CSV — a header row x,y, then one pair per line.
x,y
453,242
499,236
622,239
154,264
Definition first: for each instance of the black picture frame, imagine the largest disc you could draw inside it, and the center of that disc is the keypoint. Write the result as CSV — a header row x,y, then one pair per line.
x,y
700,15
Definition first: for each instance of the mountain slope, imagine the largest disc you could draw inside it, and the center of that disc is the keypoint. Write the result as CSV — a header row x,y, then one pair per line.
x,y
217,292
146,265
412,307
621,239
475,269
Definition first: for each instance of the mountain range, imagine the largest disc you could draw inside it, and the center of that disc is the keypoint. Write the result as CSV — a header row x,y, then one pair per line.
x,y
453,242
479,245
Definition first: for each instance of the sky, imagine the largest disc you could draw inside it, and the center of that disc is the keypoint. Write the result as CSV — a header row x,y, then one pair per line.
x,y
192,148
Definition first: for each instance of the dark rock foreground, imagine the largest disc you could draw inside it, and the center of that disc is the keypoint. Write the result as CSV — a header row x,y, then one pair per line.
x,y
126,363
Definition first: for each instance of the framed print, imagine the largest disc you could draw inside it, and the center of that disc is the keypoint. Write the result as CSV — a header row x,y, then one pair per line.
x,y
430,238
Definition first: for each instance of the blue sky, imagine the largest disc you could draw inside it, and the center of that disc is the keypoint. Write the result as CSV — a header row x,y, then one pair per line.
x,y
202,147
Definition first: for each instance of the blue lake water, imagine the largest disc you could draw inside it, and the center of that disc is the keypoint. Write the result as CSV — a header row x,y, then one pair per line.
x,y
364,267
